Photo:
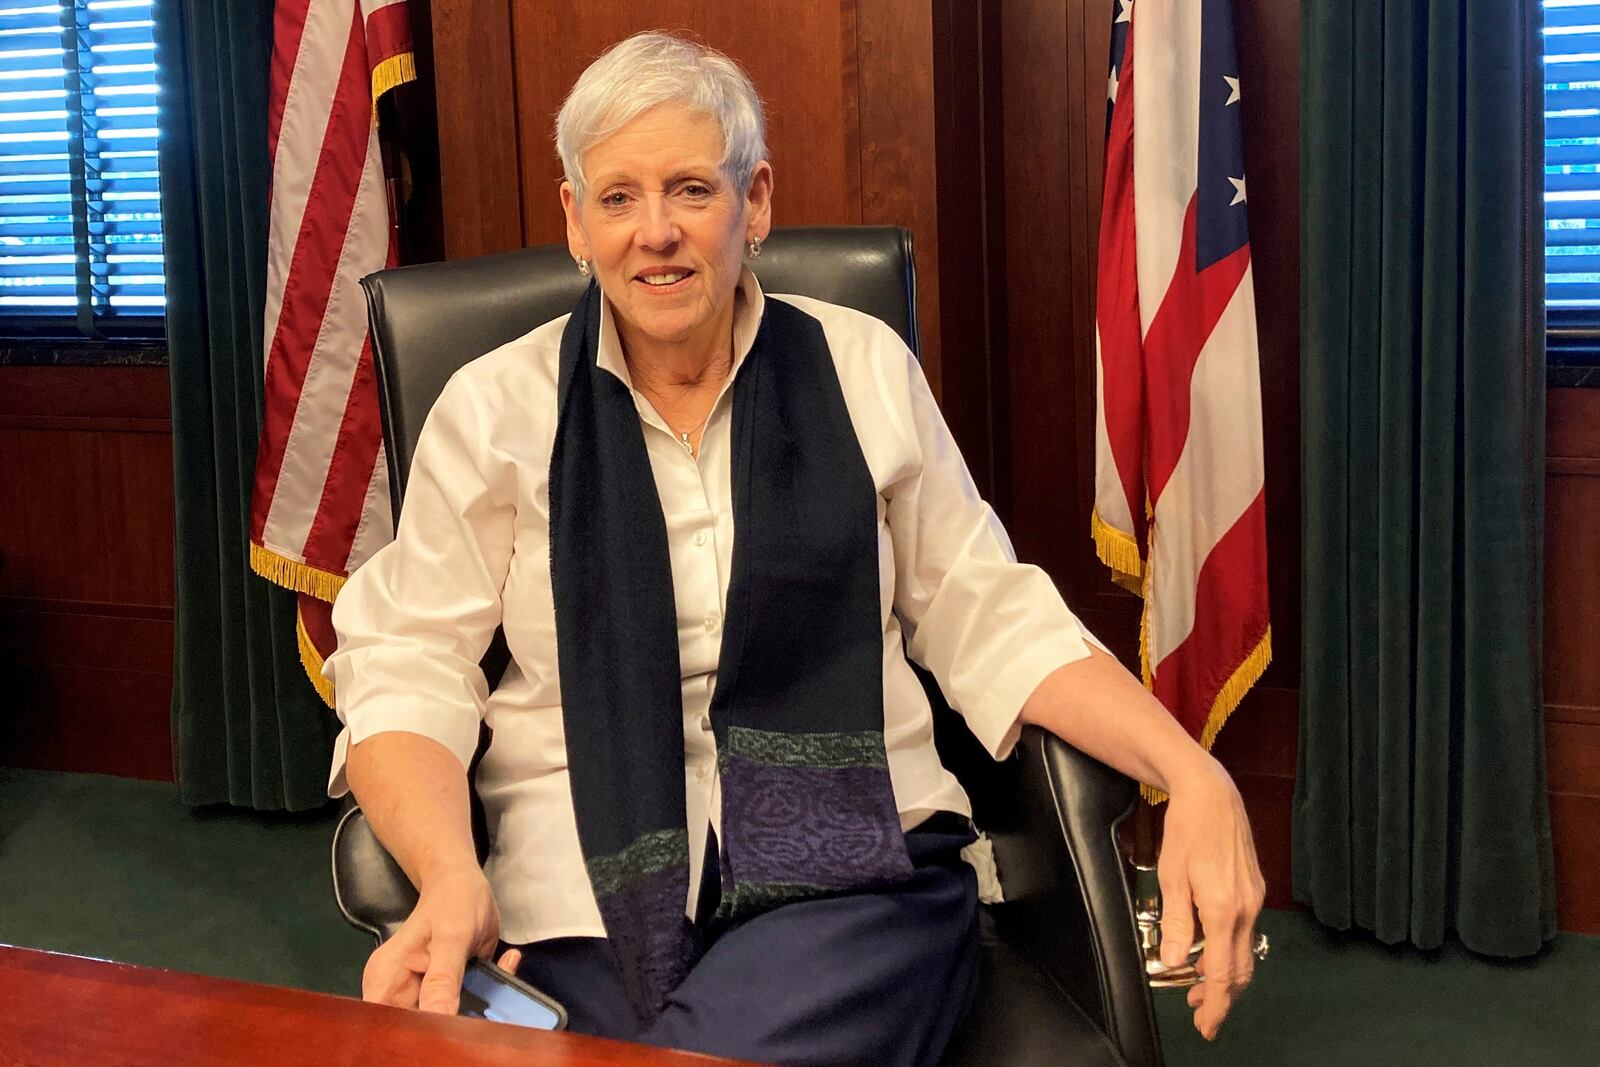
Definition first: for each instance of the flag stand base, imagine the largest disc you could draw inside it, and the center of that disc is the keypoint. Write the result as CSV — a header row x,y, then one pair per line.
x,y
1147,912
1140,838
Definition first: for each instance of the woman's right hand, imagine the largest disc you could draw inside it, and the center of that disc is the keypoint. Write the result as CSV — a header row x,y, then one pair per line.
x,y
422,965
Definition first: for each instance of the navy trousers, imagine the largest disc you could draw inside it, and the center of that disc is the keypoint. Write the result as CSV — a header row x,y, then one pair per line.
x,y
881,978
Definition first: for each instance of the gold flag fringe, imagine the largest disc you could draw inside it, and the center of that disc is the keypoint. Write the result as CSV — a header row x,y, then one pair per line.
x,y
1116,548
1119,551
301,578
1233,690
295,575
1244,676
311,660
392,72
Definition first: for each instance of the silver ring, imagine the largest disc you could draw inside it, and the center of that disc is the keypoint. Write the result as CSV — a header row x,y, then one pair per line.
x,y
1262,946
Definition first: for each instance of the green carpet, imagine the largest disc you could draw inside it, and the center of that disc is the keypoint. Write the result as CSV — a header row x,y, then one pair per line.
x,y
119,869
1324,998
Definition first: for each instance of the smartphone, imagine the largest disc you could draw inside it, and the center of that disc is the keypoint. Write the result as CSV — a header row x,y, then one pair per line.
x,y
487,992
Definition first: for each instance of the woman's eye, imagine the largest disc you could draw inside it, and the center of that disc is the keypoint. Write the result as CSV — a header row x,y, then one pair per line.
x,y
614,199
697,191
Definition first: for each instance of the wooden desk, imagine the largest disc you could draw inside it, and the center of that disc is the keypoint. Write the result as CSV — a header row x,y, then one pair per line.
x,y
57,1010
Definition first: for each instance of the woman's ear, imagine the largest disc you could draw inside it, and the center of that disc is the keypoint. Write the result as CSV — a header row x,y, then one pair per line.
x,y
758,203
577,240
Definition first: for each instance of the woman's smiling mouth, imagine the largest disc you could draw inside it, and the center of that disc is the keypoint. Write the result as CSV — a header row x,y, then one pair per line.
x,y
664,279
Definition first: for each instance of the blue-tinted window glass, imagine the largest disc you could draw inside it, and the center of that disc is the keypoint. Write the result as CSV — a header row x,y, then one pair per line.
x,y
80,210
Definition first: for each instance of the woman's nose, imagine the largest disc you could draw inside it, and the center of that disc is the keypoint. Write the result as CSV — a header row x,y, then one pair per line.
x,y
658,229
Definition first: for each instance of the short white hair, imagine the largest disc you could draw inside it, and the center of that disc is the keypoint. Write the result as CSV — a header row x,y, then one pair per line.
x,y
651,69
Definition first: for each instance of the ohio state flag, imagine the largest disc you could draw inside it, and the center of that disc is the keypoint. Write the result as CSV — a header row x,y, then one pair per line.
x,y
1180,510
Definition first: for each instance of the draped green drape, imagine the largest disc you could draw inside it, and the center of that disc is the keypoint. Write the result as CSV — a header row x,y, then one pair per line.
x,y
247,727
1420,806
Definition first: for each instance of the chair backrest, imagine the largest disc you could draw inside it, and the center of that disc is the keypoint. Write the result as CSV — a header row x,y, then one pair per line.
x,y
430,320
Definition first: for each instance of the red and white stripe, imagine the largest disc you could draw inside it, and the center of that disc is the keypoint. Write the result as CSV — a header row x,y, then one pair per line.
x,y
321,495
1179,488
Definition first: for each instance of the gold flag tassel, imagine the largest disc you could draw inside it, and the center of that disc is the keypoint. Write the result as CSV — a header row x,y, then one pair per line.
x,y
392,72
301,578
312,661
1119,551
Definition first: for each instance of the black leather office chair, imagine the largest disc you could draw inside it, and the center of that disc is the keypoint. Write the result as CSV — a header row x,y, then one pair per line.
x,y
1062,975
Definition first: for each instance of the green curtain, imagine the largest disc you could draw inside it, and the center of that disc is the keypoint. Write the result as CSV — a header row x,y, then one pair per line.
x,y
247,727
1420,806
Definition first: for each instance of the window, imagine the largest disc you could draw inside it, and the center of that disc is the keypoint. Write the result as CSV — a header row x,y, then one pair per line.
x,y
80,210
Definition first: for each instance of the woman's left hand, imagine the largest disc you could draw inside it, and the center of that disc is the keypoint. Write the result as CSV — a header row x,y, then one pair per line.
x,y
1208,864
1208,859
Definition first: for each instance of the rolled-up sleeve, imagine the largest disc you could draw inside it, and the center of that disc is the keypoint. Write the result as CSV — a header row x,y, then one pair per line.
x,y
414,620
988,628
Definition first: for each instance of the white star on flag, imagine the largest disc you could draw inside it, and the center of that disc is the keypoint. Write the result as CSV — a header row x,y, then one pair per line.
x,y
1238,194
1126,14
1233,86
1111,88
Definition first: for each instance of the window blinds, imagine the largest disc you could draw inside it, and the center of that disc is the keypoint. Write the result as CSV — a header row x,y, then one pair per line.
x,y
80,212
1572,153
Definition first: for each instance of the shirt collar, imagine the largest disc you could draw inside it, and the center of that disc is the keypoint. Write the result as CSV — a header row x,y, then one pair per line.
x,y
749,303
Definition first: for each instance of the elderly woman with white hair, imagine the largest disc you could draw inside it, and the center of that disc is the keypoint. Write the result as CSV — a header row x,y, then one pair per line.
x,y
714,524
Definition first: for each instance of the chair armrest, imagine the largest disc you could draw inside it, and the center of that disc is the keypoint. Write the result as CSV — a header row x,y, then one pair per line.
x,y
1067,897
374,894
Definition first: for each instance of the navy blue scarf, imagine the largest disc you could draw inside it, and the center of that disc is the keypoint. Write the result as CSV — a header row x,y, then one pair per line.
x,y
807,806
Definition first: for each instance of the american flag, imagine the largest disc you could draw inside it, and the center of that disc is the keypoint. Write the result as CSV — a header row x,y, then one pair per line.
x,y
321,499
1180,510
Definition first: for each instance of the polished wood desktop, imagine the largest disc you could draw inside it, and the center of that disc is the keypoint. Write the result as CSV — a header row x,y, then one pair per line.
x,y
57,1010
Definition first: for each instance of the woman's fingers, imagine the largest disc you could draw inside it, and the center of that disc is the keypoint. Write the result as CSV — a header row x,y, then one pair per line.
x,y
1243,941
511,960
1177,911
1219,972
389,978
447,964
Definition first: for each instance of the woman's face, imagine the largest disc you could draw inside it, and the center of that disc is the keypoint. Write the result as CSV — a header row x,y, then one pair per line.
x,y
663,227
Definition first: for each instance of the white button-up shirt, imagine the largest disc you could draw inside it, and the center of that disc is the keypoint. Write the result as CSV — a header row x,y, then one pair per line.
x,y
472,551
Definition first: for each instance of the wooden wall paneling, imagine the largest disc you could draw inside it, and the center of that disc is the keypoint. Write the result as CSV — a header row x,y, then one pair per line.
x,y
1268,34
970,204
1090,26
1573,818
1571,668
480,172
1054,58
848,84
86,569
806,73
88,688
409,133
94,518
86,471
1044,510
1572,549
1259,748
894,64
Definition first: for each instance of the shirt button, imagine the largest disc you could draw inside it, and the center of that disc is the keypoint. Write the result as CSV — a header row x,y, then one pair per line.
x,y
711,623
702,773
700,537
